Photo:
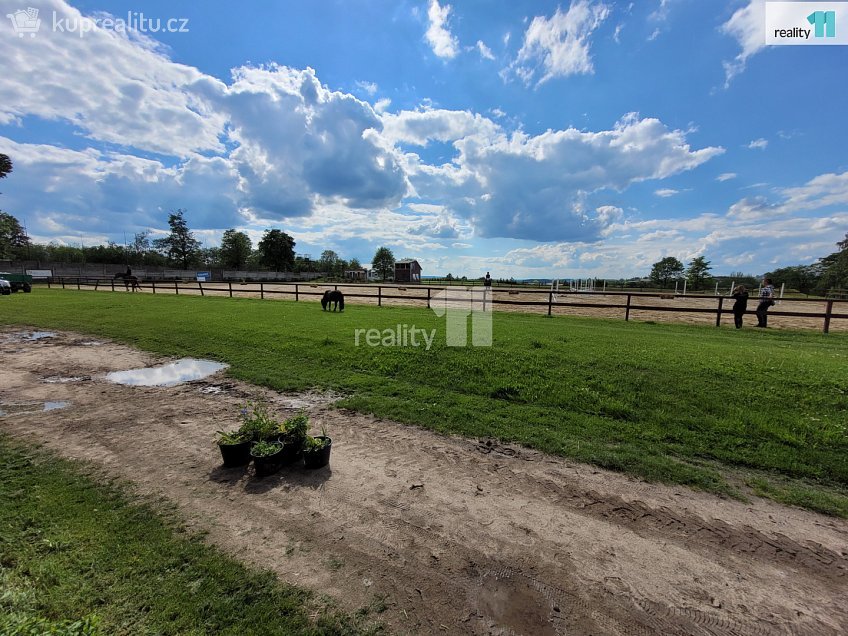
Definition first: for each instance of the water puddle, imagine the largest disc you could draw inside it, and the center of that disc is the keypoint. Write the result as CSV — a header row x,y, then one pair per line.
x,y
32,336
59,379
184,370
20,408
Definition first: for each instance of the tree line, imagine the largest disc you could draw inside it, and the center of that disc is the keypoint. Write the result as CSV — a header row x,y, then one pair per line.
x,y
828,273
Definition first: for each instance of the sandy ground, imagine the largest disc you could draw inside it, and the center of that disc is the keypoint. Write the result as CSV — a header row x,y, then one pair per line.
x,y
453,536
413,295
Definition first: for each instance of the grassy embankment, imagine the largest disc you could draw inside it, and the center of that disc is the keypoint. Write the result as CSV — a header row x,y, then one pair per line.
x,y
718,409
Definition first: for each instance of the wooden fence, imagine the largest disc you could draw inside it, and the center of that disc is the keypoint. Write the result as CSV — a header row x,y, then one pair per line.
x,y
426,295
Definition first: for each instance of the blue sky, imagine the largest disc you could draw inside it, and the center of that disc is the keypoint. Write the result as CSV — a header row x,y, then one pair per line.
x,y
530,139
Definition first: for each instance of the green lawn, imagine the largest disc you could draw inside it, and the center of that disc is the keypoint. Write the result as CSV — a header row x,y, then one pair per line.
x,y
712,408
79,558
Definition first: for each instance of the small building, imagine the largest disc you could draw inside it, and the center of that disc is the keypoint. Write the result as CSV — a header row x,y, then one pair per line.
x,y
357,274
407,270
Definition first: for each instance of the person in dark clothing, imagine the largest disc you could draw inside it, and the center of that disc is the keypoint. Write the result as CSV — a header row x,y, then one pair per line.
x,y
128,272
740,306
487,282
766,301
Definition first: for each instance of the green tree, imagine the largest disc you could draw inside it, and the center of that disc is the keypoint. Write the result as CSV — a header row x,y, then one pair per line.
x,y
666,270
13,239
804,278
384,263
834,268
698,273
5,165
354,264
235,249
180,246
329,262
276,250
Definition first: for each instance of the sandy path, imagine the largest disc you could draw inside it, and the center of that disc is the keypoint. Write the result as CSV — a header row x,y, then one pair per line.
x,y
413,296
456,536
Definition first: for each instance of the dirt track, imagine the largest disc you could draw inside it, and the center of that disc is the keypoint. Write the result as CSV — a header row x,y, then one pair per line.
x,y
454,536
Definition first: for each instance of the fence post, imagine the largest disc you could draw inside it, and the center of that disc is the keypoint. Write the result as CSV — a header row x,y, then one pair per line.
x,y
827,314
78,283
627,310
718,315
63,282
96,283
230,285
550,302
296,292
261,290
379,296
176,287
113,284
428,298
48,282
200,286
153,283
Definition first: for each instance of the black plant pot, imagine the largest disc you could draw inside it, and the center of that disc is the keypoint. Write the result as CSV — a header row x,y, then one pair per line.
x,y
268,465
236,454
292,450
318,458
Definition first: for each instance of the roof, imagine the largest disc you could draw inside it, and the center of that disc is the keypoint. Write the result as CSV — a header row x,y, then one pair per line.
x,y
407,260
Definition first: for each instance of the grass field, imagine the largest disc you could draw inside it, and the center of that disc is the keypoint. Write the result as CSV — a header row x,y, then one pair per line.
x,y
80,558
717,409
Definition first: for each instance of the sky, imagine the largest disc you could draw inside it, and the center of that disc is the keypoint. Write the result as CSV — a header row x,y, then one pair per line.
x,y
531,139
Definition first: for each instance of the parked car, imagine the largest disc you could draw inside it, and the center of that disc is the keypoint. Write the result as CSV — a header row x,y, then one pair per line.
x,y
16,282
5,286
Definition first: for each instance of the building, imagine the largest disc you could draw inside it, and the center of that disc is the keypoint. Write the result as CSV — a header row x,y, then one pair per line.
x,y
407,270
357,274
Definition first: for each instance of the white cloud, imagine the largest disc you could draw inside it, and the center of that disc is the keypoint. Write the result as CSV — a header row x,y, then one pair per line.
x,y
758,144
485,51
368,87
666,192
746,26
421,126
441,40
559,46
726,176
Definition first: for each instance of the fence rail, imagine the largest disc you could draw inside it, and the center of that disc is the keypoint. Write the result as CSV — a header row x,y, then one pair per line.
x,y
551,300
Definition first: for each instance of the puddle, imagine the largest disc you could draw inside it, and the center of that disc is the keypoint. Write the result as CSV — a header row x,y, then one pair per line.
x,y
308,400
58,379
170,374
32,336
30,407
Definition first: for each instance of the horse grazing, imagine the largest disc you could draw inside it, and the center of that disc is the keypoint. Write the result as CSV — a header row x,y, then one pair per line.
x,y
130,281
335,298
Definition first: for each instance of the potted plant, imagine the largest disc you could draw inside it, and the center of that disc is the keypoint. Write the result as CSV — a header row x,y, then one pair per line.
x,y
267,457
235,448
316,450
257,423
291,434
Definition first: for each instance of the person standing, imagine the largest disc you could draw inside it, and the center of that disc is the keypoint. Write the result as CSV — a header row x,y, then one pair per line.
x,y
487,281
766,301
740,306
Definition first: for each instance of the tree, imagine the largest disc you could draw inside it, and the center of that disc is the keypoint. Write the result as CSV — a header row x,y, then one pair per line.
x,y
13,239
354,264
698,272
834,268
801,277
5,165
666,270
235,249
384,263
179,246
276,250
329,262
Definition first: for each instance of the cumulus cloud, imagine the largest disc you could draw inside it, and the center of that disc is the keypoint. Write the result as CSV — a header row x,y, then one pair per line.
x,y
559,46
535,187
746,26
441,40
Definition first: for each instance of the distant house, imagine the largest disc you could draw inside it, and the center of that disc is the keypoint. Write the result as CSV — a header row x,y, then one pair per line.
x,y
357,274
407,270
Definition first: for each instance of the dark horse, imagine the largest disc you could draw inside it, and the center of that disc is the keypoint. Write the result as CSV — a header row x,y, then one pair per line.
x,y
130,281
335,298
